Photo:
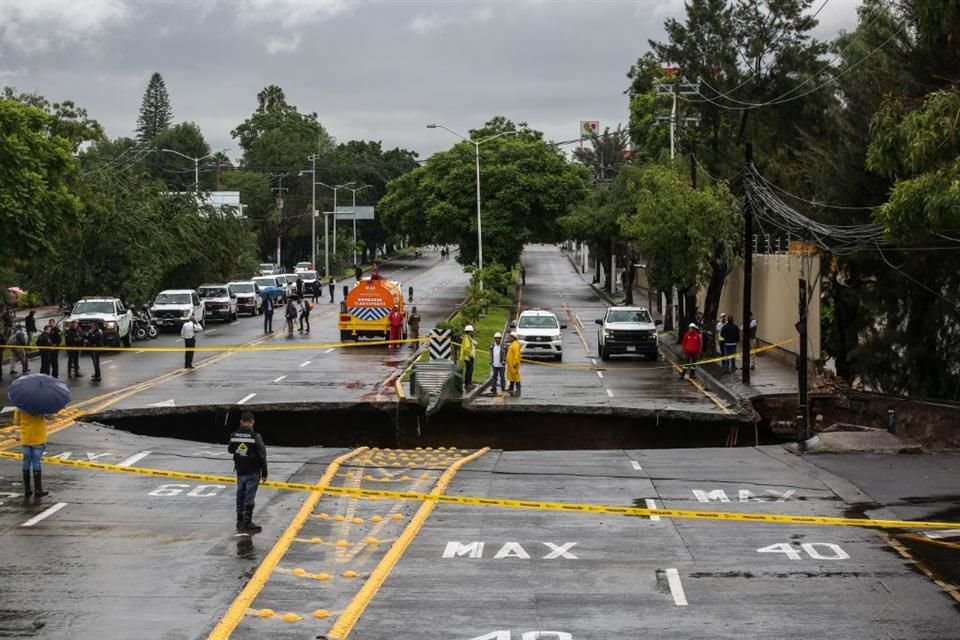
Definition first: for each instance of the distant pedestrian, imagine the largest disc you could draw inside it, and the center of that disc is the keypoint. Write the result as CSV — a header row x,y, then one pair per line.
x,y
396,327
268,314
9,319
56,340
291,316
44,343
717,336
692,346
18,351
250,464
468,353
31,324
305,315
375,272
513,364
333,285
413,322
523,275
357,272
74,339
189,332
93,340
752,327
316,289
731,338
299,284
498,363
33,441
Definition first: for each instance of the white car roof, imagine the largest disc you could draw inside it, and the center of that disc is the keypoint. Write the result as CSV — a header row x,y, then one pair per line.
x,y
97,299
626,309
537,312
239,282
177,291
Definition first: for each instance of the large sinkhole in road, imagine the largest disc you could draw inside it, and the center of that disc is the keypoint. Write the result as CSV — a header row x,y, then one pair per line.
x,y
402,426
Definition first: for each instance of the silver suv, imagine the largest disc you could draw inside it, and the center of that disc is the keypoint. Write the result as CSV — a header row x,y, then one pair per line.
x,y
628,330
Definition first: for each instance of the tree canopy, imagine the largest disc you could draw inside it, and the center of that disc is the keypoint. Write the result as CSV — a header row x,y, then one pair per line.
x,y
156,113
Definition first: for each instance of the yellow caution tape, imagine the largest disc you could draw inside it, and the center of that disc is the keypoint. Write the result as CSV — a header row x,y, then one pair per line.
x,y
250,347
694,514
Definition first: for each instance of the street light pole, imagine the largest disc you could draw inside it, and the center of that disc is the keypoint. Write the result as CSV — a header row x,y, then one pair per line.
x,y
313,210
354,207
196,164
476,144
326,235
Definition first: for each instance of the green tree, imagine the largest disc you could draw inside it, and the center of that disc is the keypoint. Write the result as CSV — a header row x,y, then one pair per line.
x,y
66,120
606,154
155,111
37,171
526,185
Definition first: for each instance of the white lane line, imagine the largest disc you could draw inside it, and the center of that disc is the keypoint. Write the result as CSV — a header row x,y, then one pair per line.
x,y
136,352
652,504
210,331
579,321
636,465
304,364
234,322
106,361
245,398
593,360
279,379
600,374
946,533
329,350
44,514
609,393
135,458
676,588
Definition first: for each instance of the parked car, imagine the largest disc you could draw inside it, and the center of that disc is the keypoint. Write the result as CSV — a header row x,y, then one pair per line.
x,y
267,269
115,320
539,332
269,285
300,267
248,296
309,279
290,281
628,330
218,302
173,307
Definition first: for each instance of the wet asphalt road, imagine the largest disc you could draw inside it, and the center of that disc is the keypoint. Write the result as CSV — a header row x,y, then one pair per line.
x,y
326,374
582,379
142,557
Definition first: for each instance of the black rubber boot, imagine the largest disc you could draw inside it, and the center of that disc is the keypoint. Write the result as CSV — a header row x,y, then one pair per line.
x,y
26,484
38,484
248,525
239,521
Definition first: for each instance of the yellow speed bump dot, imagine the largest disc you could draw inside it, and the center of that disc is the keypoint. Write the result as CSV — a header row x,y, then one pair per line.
x,y
321,613
412,465
397,516
404,478
376,519
299,572
315,540
349,573
265,613
425,476
369,477
291,617
357,520
371,540
342,543
322,516
339,518
322,576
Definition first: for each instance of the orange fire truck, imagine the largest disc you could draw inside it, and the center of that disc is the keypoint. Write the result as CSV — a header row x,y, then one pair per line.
x,y
365,312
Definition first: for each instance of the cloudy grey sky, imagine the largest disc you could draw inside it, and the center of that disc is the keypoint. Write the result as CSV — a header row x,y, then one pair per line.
x,y
371,69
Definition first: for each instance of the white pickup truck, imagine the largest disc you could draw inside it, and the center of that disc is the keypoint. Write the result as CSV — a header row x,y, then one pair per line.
x,y
114,319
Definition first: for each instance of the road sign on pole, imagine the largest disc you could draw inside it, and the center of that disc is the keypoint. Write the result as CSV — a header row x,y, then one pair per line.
x,y
362,213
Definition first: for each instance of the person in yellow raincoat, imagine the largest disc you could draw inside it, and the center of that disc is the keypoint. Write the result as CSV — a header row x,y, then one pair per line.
x,y
468,353
33,440
513,365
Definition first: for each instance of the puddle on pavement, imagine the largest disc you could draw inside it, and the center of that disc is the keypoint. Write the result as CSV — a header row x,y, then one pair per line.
x,y
393,425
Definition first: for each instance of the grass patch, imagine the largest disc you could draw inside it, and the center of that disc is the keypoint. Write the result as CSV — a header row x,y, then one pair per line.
x,y
484,329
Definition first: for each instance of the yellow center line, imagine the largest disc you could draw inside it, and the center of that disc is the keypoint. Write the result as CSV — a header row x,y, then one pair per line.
x,y
351,614
242,602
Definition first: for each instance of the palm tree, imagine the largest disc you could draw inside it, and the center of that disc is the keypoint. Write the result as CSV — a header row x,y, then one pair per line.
x,y
271,99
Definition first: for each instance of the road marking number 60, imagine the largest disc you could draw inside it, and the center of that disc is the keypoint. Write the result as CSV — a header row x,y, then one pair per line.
x,y
200,491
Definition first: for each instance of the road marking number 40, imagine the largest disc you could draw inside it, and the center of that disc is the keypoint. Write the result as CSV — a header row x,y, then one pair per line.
x,y
201,491
815,550
527,635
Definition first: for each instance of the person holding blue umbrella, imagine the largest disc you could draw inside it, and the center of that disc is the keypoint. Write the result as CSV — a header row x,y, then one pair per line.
x,y
35,396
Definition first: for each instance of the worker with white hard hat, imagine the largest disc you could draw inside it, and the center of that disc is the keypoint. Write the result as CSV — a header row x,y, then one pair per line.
x,y
468,353
513,364
498,363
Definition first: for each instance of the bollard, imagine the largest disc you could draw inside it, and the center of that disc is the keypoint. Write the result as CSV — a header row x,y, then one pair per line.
x,y
346,290
891,421
410,294
801,431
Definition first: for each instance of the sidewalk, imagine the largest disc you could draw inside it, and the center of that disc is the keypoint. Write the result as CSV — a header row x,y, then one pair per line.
x,y
43,315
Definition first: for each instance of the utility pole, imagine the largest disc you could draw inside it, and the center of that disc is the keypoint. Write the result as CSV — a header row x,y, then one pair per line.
x,y
747,260
280,190
313,210
804,411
